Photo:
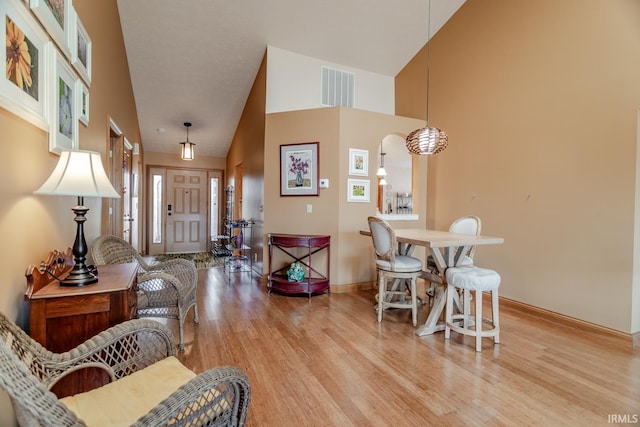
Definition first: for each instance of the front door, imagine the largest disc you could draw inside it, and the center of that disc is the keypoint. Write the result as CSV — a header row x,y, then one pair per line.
x,y
186,210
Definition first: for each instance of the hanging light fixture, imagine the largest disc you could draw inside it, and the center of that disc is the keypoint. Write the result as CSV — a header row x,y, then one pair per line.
x,y
381,172
428,140
187,147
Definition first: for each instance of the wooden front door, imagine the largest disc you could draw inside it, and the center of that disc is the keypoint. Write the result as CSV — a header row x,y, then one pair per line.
x,y
186,211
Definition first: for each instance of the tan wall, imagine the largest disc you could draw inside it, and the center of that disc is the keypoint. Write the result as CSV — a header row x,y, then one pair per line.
x,y
540,102
337,130
247,151
152,158
31,225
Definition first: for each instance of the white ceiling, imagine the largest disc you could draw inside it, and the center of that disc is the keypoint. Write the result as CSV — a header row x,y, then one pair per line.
x,y
196,60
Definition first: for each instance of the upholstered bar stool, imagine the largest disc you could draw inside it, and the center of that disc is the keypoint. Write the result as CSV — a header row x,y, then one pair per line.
x,y
475,279
391,265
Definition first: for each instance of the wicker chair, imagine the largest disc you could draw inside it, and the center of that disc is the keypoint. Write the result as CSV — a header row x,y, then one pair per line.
x,y
167,289
219,396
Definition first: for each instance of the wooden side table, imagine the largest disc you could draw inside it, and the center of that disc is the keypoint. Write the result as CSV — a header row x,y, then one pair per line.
x,y
63,317
316,281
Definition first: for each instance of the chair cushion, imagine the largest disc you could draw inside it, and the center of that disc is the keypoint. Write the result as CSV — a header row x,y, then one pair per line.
x,y
473,278
122,402
403,264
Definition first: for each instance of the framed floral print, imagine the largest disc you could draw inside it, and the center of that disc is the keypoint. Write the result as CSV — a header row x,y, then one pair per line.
x,y
80,48
299,165
358,162
55,16
23,87
358,190
64,122
82,102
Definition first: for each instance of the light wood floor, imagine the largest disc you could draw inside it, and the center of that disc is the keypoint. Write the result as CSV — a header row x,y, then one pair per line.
x,y
327,362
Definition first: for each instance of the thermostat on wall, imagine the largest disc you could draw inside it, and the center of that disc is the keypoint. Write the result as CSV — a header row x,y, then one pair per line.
x,y
324,183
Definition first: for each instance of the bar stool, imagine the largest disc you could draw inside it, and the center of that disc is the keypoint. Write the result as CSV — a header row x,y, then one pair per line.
x,y
475,279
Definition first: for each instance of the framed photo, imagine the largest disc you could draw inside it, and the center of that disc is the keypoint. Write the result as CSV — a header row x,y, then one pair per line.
x,y
358,162
82,102
299,165
23,86
358,190
55,16
63,134
80,48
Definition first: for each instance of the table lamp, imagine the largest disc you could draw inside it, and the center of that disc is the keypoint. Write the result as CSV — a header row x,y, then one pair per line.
x,y
79,173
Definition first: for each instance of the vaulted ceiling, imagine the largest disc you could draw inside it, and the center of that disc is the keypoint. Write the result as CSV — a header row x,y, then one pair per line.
x,y
196,60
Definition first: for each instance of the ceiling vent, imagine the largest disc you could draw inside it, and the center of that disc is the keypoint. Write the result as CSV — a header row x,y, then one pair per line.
x,y
337,87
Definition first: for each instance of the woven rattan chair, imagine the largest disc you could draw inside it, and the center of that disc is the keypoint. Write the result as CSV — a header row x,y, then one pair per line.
x,y
167,289
219,396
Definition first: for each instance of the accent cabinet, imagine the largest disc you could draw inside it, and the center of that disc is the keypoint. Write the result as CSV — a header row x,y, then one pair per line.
x,y
63,317
302,249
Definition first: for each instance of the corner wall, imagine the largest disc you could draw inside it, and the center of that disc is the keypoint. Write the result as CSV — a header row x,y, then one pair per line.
x,y
540,102
336,129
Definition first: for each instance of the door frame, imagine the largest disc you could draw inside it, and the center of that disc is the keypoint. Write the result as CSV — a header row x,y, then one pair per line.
x,y
160,248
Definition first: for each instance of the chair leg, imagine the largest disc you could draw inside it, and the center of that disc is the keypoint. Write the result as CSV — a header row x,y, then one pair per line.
x,y
466,308
381,296
196,319
414,301
478,320
448,311
495,315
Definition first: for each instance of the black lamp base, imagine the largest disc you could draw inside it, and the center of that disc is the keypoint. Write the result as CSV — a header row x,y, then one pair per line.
x,y
79,277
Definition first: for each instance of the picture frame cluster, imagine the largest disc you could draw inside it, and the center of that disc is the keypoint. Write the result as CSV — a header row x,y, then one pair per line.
x,y
358,190
48,67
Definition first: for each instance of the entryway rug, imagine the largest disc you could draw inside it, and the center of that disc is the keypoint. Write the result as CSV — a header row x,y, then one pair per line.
x,y
200,259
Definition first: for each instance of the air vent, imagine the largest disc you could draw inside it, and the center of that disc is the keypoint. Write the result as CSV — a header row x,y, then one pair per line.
x,y
337,87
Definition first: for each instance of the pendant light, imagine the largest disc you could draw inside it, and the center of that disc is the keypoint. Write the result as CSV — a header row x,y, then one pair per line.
x,y
428,140
187,147
381,174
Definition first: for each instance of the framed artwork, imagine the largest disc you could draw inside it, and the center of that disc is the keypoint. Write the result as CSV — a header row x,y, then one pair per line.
x,y
80,48
358,190
55,16
358,162
23,86
63,134
82,102
299,165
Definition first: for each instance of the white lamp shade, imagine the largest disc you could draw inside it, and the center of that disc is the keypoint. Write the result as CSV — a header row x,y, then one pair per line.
x,y
187,150
381,171
79,173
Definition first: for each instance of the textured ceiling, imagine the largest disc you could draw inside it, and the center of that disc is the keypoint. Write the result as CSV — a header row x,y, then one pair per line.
x,y
196,60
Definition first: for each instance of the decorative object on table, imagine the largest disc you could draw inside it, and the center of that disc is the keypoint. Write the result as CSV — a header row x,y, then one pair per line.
x,y
427,140
295,273
81,47
358,162
63,134
55,17
187,152
299,174
81,174
237,240
358,190
24,86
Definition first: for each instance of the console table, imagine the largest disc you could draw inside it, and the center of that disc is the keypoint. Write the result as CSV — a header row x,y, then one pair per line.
x,y
315,281
63,317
